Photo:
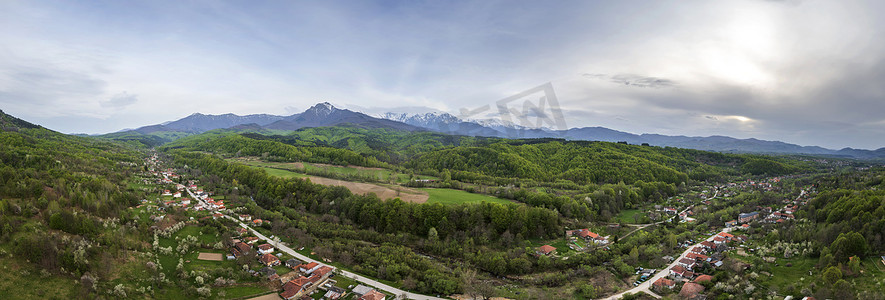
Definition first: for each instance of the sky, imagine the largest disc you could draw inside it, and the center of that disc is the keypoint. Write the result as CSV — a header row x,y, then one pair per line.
x,y
803,72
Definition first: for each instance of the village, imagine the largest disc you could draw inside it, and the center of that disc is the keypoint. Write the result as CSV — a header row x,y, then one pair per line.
x,y
294,275
686,273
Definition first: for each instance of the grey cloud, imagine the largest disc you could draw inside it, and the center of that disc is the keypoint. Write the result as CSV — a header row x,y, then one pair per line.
x,y
45,84
120,101
634,80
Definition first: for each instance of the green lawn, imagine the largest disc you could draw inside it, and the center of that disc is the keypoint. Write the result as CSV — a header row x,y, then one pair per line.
x,y
627,216
450,196
561,246
242,291
283,173
783,275
23,281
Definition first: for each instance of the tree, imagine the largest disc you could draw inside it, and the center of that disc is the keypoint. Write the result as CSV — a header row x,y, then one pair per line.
x,y
585,291
832,274
432,235
847,245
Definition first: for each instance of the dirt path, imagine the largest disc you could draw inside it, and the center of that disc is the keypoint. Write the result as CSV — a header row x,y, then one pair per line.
x,y
210,256
406,194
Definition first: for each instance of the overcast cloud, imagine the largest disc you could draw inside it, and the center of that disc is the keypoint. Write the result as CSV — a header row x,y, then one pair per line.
x,y
805,72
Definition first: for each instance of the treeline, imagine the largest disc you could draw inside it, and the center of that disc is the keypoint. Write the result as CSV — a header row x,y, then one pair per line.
x,y
240,145
582,164
371,212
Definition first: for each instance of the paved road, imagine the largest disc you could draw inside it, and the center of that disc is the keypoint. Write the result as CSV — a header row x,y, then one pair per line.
x,y
362,279
646,286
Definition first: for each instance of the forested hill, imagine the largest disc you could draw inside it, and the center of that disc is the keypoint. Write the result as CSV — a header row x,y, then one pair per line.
x,y
489,159
57,192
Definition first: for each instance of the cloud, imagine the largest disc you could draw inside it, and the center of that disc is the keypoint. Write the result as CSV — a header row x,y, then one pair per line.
x,y
634,80
120,101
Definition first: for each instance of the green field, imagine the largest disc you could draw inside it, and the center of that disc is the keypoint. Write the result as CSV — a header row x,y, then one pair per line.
x,y
337,172
283,173
627,216
450,196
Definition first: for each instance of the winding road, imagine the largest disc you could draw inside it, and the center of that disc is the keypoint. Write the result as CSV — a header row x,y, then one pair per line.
x,y
646,286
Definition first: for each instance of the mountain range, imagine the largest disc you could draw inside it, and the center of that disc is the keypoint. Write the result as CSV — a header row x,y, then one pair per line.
x,y
325,114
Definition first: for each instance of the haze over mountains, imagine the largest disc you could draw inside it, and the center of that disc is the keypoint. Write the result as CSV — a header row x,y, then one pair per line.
x,y
325,114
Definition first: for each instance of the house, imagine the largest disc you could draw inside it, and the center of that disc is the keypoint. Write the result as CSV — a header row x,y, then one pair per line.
x,y
242,230
372,295
269,260
731,223
691,291
245,218
718,240
216,216
265,249
293,263
726,235
323,272
546,250
308,268
360,290
177,195
697,257
251,239
664,283
687,263
703,278
745,226
334,293
677,271
588,235
295,288
747,217
670,210
243,248
708,245
699,250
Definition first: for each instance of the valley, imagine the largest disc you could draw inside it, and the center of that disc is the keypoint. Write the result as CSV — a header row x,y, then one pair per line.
x,y
430,216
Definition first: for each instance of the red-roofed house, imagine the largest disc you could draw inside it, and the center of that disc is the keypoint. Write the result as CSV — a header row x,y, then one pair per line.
x,y
372,295
546,250
719,240
269,260
309,268
243,248
703,278
664,283
708,244
265,249
687,263
322,271
696,256
257,222
677,271
295,288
